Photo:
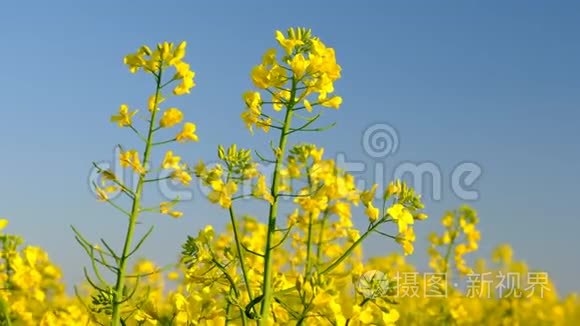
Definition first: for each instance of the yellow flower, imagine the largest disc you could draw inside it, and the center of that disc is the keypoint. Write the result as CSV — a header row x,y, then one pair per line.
x,y
186,75
299,65
253,100
372,212
182,176
260,76
170,118
222,193
342,209
287,44
269,58
250,118
393,188
173,276
333,102
406,239
316,154
280,99
167,208
323,84
144,318
277,76
103,193
170,161
151,102
123,119
313,204
264,77
323,60
131,159
391,317
367,196
187,133
402,215
199,169
447,220
178,53
261,190
264,124
307,105
136,60
366,316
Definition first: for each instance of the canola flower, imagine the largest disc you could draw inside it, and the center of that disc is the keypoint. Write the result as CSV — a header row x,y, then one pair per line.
x,y
295,81
112,298
198,293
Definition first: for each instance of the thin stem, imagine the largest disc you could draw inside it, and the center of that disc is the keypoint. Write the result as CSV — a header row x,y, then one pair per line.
x,y
135,209
230,279
448,251
350,249
321,236
168,82
126,190
119,208
164,142
273,213
137,133
156,179
311,121
284,237
240,252
6,312
307,265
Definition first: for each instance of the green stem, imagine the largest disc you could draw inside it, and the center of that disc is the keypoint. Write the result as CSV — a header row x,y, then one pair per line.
x,y
240,253
321,237
135,210
307,265
350,249
448,251
6,312
273,213
307,268
233,286
164,142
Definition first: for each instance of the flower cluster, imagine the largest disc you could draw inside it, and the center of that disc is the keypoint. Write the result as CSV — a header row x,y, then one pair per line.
x,y
301,77
459,238
32,291
164,56
108,297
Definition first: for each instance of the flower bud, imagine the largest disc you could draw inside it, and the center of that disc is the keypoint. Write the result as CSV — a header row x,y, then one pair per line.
x,y
421,216
221,152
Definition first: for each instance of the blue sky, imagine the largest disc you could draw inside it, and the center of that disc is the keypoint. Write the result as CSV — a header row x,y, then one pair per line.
x,y
491,82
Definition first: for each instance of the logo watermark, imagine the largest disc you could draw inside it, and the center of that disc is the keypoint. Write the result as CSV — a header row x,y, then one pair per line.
x,y
379,141
373,284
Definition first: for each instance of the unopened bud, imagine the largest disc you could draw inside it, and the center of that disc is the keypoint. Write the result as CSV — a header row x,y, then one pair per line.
x,y
421,216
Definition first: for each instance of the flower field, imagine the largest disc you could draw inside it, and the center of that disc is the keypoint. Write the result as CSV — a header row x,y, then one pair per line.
x,y
298,258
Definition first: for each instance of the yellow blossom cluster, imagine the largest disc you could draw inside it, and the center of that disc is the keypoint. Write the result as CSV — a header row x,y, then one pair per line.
x,y
301,77
165,55
459,238
32,291
208,288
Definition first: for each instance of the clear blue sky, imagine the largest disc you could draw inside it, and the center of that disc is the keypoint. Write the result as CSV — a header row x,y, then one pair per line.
x,y
492,82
